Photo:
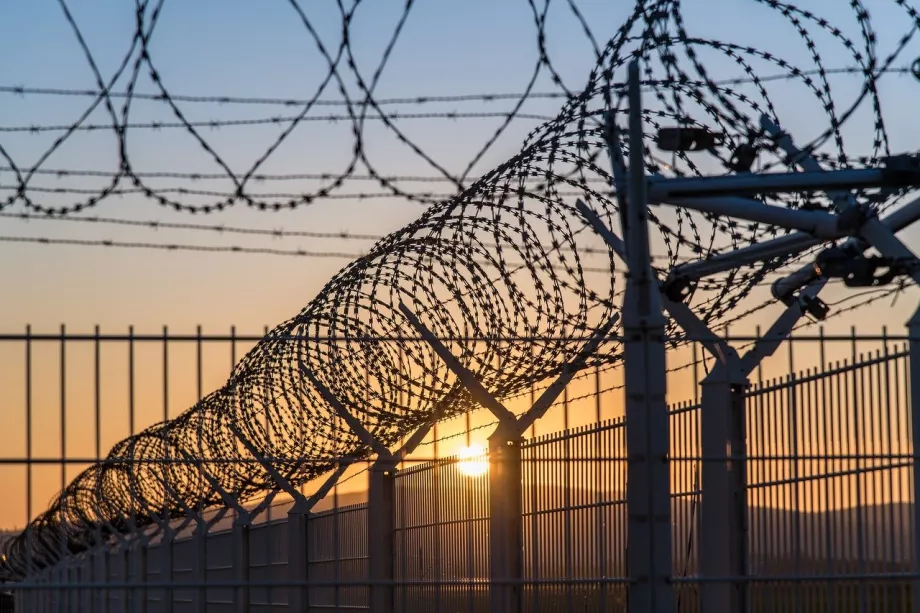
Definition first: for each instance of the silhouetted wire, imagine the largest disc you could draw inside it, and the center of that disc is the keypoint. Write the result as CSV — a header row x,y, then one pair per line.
x,y
220,229
21,90
874,295
501,259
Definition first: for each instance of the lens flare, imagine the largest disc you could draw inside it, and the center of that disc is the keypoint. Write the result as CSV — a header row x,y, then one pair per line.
x,y
472,461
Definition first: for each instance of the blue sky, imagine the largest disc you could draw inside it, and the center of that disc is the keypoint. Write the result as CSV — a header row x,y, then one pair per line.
x,y
262,49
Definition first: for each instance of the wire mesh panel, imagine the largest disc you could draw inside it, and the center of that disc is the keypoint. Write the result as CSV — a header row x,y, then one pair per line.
x,y
574,519
183,572
829,496
158,571
685,507
829,519
337,553
221,568
442,535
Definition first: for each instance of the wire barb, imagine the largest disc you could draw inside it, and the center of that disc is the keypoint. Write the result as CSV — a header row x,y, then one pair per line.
x,y
500,259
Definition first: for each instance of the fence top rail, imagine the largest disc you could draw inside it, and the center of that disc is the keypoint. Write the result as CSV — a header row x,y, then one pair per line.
x,y
428,465
612,423
837,368
348,508
232,335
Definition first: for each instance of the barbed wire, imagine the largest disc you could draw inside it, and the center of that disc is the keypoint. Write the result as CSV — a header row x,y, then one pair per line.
x,y
501,259
359,111
220,229
238,249
216,124
860,299
21,90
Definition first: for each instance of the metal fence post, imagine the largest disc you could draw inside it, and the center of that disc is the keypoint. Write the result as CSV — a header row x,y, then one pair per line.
x,y
60,580
140,566
723,508
648,490
913,329
65,585
506,564
49,578
126,559
102,577
167,544
73,572
381,513
80,571
86,576
241,561
298,563
67,581
506,548
57,579
55,593
505,473
297,557
200,538
57,589
381,506
296,554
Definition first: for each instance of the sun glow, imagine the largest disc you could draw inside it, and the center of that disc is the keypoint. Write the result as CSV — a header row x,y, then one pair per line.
x,y
472,461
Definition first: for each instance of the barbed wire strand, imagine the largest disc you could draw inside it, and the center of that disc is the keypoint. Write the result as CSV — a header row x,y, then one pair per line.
x,y
500,259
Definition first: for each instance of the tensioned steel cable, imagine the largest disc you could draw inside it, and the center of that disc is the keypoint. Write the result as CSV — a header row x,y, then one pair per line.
x,y
500,260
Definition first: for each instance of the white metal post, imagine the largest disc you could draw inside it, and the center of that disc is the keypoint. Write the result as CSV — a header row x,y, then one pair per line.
x,y
648,497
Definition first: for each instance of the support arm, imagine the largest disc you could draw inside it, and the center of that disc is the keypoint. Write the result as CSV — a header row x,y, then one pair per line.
x,y
842,199
612,240
229,500
342,411
276,476
780,329
363,433
551,393
820,224
697,329
668,190
470,381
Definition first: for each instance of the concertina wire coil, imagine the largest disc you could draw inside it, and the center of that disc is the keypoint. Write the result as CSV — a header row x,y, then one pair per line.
x,y
499,261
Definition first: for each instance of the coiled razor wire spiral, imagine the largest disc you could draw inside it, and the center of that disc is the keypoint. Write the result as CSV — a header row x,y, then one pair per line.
x,y
499,261
346,94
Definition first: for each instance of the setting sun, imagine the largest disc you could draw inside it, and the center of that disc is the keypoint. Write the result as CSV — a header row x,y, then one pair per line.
x,y
472,461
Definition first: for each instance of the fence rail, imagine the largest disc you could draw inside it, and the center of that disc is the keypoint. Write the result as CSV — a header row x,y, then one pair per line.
x,y
829,523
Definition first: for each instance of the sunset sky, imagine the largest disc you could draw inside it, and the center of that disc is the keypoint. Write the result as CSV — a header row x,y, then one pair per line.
x,y
262,49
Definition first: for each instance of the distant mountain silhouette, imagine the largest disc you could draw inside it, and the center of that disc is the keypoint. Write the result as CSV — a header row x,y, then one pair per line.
x,y
593,537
